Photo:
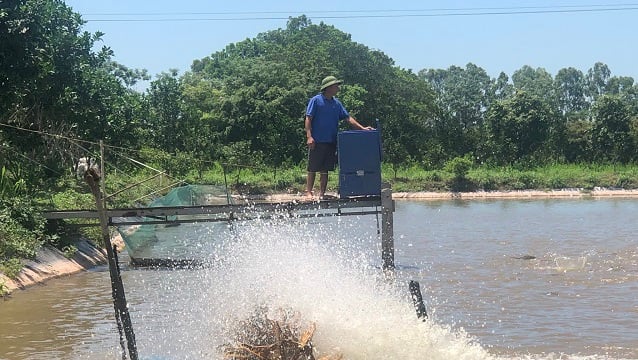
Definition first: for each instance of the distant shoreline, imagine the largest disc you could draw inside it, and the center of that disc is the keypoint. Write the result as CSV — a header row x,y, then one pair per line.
x,y
518,194
476,195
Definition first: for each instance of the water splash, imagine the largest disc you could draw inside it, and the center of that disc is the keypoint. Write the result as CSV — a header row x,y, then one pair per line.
x,y
567,263
331,281
326,270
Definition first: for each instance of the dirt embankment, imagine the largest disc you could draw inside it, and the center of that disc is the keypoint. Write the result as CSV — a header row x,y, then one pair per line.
x,y
51,263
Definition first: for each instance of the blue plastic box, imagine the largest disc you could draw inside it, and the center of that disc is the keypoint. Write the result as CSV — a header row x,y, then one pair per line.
x,y
359,153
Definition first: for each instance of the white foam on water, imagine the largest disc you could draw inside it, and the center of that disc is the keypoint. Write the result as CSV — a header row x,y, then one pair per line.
x,y
328,275
357,311
567,263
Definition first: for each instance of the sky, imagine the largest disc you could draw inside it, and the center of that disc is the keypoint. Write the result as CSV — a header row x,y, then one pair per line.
x,y
498,35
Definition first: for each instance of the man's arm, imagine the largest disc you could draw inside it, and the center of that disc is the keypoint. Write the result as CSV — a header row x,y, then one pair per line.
x,y
355,124
310,141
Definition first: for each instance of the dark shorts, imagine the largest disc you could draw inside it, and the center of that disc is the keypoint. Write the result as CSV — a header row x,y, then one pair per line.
x,y
323,157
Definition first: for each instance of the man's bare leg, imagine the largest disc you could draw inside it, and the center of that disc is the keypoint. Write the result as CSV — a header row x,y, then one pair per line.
x,y
310,183
323,183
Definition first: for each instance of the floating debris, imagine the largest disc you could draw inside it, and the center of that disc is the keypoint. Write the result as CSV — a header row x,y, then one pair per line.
x,y
524,257
284,337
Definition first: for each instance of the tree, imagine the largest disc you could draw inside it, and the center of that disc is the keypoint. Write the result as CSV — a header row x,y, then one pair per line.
x,y
501,88
569,85
537,82
611,138
463,96
597,78
519,130
621,85
262,86
408,125
578,143
166,121
54,83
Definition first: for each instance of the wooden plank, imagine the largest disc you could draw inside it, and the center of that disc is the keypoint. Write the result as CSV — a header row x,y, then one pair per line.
x,y
164,211
70,214
233,217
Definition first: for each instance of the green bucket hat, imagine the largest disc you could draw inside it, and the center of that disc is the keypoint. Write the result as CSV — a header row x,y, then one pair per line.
x,y
330,80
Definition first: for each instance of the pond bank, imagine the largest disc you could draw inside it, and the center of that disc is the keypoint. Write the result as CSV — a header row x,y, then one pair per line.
x,y
513,194
517,194
51,263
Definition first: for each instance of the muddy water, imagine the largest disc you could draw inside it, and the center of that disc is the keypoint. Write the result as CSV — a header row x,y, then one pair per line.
x,y
541,279
574,296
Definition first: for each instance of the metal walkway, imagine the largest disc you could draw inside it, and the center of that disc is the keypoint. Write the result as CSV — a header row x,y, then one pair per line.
x,y
210,213
173,215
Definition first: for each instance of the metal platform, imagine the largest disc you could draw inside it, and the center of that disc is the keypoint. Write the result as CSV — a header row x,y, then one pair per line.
x,y
174,215
209,213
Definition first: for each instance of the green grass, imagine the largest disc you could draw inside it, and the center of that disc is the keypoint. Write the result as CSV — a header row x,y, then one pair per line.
x,y
414,178
508,178
4,289
11,267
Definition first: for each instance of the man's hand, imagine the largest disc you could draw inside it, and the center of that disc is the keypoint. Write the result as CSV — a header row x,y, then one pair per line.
x,y
311,143
355,124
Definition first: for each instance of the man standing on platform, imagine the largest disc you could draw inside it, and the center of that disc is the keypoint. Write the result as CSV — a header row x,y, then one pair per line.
x,y
323,114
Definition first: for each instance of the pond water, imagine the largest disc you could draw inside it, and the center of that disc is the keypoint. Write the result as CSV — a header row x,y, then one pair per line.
x,y
501,279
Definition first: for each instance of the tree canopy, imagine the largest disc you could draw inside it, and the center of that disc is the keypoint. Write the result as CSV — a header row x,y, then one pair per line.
x,y
53,82
245,103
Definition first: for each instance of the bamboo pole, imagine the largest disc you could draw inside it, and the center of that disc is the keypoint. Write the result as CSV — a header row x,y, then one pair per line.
x,y
117,287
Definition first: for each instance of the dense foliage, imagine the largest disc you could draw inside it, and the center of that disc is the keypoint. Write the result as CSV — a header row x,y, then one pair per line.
x,y
53,82
244,105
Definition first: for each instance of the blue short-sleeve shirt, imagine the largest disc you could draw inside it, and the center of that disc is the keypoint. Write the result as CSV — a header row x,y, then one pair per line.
x,y
325,114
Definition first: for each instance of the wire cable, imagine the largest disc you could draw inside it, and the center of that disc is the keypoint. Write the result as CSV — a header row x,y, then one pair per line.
x,y
76,142
48,134
363,11
33,161
368,14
